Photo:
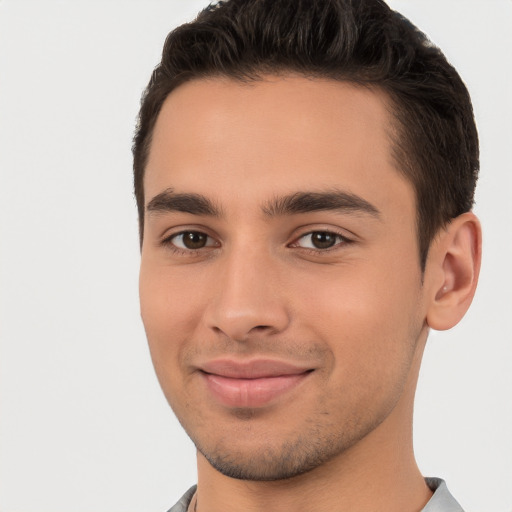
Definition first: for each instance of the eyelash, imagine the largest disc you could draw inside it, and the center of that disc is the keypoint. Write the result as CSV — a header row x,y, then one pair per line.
x,y
341,241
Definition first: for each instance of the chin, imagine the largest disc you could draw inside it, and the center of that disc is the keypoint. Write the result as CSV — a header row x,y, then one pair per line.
x,y
270,460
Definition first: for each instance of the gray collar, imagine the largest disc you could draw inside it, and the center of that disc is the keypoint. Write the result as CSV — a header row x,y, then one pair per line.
x,y
441,501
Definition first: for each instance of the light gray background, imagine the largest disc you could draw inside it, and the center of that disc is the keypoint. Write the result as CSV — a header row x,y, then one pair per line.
x,y
84,426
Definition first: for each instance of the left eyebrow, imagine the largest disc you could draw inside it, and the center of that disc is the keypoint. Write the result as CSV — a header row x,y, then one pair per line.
x,y
305,202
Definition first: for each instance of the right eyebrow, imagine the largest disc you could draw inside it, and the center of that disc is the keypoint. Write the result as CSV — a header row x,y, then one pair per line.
x,y
170,201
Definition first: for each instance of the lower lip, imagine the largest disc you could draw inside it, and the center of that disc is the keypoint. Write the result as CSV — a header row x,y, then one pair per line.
x,y
251,392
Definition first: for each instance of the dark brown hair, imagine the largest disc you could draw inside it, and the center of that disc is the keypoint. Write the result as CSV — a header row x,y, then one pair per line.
x,y
360,41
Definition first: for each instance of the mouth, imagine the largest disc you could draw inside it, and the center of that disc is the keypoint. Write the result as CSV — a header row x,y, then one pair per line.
x,y
251,384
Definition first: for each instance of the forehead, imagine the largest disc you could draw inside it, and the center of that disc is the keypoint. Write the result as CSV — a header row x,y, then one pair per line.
x,y
279,134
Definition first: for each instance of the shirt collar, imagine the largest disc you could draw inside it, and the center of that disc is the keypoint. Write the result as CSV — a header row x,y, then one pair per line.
x,y
442,500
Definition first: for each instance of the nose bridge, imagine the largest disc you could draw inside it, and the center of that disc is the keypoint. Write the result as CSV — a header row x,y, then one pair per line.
x,y
247,297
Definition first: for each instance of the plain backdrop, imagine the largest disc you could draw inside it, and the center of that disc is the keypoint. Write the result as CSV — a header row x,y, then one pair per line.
x,y
84,426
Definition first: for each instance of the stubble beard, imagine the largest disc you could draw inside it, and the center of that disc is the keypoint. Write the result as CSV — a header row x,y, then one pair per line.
x,y
250,454
287,459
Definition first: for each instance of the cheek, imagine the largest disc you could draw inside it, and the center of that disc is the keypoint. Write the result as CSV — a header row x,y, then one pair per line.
x,y
369,315
368,330
169,312
361,297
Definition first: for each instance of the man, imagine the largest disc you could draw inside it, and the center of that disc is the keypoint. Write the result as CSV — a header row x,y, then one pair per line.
x,y
304,172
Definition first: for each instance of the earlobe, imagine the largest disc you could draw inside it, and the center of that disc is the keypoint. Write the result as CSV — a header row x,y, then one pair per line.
x,y
454,266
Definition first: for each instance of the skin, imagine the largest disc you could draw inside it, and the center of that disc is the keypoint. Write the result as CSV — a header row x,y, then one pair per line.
x,y
355,315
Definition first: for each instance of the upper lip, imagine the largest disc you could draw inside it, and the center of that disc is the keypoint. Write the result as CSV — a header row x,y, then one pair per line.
x,y
252,369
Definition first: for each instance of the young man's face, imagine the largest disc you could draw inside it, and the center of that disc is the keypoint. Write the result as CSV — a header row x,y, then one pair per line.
x,y
280,281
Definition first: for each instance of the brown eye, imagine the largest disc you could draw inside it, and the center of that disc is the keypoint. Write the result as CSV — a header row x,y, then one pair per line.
x,y
320,240
192,240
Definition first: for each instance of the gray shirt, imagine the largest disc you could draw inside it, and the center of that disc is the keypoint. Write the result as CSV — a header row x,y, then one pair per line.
x,y
441,501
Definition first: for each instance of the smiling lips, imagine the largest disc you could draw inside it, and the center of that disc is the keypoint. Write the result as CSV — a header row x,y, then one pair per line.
x,y
251,384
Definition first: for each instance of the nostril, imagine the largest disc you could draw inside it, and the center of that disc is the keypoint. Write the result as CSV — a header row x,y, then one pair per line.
x,y
263,329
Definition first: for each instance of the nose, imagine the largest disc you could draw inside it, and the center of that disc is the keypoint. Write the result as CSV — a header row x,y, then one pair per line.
x,y
248,296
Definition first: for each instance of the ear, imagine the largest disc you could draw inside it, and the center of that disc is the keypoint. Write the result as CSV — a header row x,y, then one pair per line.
x,y
452,269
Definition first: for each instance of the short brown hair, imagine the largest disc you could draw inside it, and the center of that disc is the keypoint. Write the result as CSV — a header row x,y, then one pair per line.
x,y
359,41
